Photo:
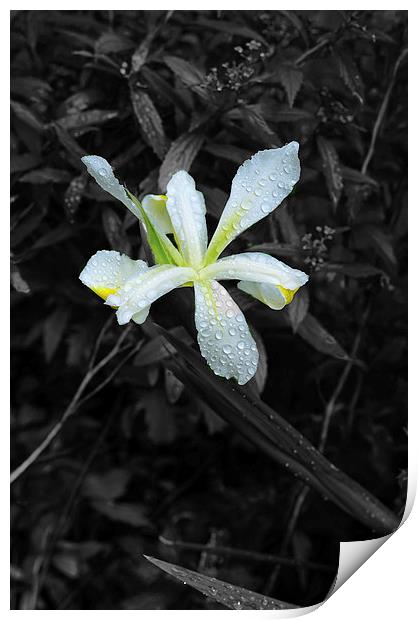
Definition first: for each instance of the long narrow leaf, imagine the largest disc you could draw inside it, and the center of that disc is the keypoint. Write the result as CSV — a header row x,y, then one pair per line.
x,y
225,593
281,441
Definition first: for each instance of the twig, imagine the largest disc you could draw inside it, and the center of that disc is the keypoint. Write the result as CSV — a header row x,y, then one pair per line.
x,y
70,410
353,404
311,51
60,522
382,112
98,341
244,553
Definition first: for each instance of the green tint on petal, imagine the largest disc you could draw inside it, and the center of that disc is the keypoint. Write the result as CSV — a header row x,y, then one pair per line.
x,y
259,186
164,252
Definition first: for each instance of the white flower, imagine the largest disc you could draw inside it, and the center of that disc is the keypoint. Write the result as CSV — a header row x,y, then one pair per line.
x,y
130,286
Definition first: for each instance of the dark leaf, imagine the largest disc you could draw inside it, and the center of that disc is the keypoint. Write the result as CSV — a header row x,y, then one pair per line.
x,y
18,283
278,249
27,116
355,270
129,513
159,416
74,194
46,175
331,168
112,225
173,387
319,338
180,156
350,75
107,486
111,43
21,163
89,118
139,57
53,330
232,28
291,79
298,309
189,74
149,121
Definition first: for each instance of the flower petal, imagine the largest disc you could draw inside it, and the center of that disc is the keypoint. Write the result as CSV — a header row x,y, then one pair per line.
x,y
139,292
223,335
155,206
275,297
255,267
107,271
103,174
259,186
186,208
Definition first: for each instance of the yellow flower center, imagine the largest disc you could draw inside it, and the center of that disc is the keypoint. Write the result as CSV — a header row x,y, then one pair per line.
x,y
287,293
103,292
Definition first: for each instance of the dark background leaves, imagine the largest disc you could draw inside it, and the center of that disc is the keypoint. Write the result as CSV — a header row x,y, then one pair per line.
x,y
143,461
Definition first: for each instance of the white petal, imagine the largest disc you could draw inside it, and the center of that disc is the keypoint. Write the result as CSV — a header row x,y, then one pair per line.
x,y
268,294
107,271
259,186
186,207
103,174
223,335
155,206
141,316
139,292
255,267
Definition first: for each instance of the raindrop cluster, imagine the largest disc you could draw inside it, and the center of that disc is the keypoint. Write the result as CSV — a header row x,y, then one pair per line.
x,y
223,335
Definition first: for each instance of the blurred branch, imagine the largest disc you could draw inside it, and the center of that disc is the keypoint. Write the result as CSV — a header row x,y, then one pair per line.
x,y
256,556
382,112
74,404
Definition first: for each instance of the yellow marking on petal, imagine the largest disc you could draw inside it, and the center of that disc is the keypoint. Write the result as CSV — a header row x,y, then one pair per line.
x,y
162,197
103,292
287,293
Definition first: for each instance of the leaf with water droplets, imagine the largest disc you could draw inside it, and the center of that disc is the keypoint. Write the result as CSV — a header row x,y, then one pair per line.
x,y
273,435
180,156
150,121
74,194
87,119
233,597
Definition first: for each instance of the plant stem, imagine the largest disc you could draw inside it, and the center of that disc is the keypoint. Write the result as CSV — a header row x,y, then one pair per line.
x,y
381,113
72,407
